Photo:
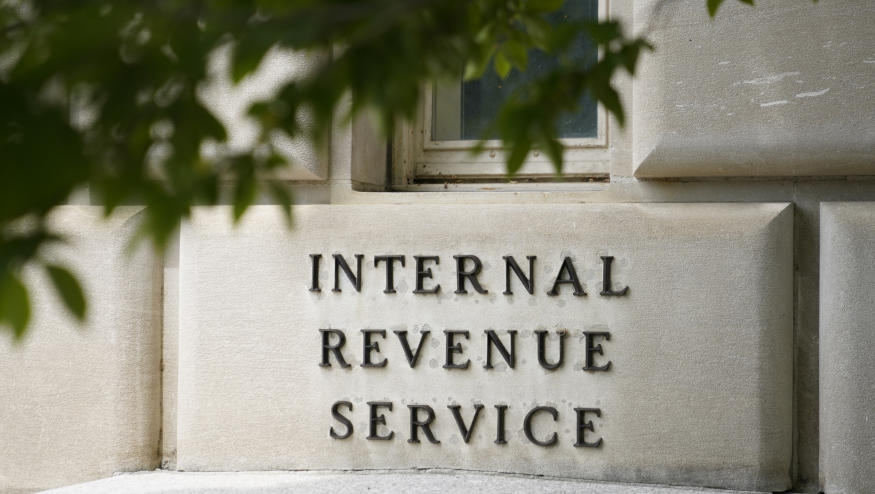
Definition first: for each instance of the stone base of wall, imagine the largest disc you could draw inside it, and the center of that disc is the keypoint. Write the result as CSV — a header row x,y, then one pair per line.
x,y
429,481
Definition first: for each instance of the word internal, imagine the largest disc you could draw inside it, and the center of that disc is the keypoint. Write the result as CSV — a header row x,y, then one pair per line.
x,y
468,270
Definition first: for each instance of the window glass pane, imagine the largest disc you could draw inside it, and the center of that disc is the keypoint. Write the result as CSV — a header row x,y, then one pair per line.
x,y
463,110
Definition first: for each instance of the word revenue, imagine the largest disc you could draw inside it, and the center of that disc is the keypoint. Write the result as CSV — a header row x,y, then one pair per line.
x,y
468,270
333,341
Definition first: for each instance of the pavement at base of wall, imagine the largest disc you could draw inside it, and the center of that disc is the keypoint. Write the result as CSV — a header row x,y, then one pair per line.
x,y
373,481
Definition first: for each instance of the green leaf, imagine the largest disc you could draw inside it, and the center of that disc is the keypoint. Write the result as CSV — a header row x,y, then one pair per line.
x,y
477,66
517,54
608,96
69,290
14,304
485,33
603,32
553,150
502,65
541,33
281,195
713,5
544,6
247,55
630,53
244,193
517,156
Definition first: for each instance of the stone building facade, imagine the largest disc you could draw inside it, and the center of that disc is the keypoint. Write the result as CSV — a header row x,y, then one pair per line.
x,y
707,271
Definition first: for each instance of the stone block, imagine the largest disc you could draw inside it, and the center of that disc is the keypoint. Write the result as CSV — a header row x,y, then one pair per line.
x,y
847,344
780,89
229,102
373,482
82,402
698,390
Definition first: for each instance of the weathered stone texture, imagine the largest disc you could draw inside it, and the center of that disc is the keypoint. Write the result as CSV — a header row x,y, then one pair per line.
x,y
79,403
783,89
373,482
847,347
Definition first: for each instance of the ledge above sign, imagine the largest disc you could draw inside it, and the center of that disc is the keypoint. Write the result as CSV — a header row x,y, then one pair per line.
x,y
626,342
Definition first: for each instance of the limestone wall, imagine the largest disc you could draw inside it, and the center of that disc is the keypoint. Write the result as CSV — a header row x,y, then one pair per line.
x,y
737,212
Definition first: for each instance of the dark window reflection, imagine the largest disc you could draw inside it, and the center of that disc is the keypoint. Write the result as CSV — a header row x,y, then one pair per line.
x,y
482,98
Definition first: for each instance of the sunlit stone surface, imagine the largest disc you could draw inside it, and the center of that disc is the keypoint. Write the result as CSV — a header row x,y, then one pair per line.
x,y
698,390
82,402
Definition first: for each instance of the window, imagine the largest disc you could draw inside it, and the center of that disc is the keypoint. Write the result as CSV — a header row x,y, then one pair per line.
x,y
456,113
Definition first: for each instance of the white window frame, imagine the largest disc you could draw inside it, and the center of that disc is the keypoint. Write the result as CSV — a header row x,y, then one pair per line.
x,y
417,159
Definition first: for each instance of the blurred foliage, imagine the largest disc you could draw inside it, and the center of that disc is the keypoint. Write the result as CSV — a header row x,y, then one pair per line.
x,y
106,95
